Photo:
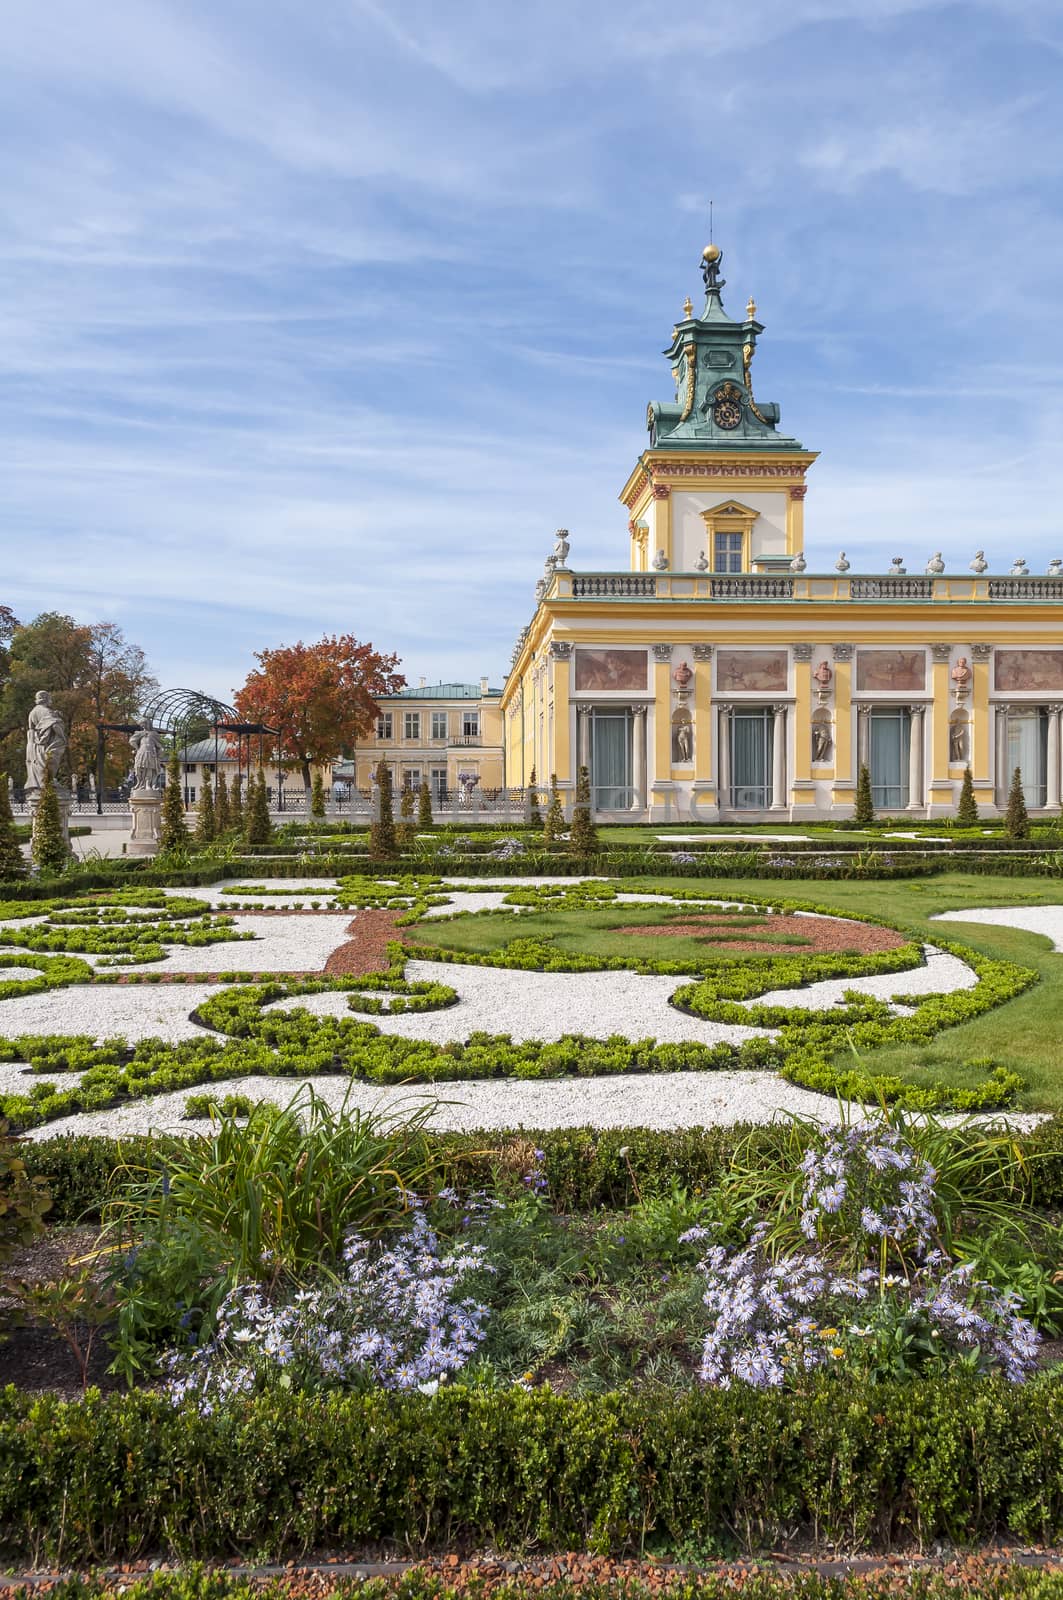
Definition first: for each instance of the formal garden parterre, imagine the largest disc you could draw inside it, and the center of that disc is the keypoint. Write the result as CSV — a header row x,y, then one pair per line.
x,y
569,1336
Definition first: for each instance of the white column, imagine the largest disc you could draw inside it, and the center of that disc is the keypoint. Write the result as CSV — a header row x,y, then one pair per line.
x,y
723,759
638,757
1052,775
583,736
915,759
863,737
778,760
1001,777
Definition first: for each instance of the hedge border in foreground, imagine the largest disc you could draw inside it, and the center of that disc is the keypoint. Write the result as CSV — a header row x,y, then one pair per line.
x,y
995,1579
586,1169
854,1468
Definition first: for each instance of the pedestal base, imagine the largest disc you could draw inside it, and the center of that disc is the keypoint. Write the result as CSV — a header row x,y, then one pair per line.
x,y
146,806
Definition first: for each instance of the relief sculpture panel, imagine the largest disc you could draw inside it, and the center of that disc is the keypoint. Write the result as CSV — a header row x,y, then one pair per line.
x,y
751,671
1019,671
882,670
598,671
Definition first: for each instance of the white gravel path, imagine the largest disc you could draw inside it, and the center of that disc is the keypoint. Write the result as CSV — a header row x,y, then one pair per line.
x,y
281,944
941,975
541,1005
1047,920
109,1011
656,1100
16,974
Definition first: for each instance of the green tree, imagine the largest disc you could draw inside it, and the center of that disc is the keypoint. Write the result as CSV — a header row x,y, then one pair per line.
x,y
554,826
1017,818
967,809
48,848
583,837
864,812
383,845
236,804
173,835
406,830
533,815
94,675
425,820
205,823
317,795
258,827
222,812
12,864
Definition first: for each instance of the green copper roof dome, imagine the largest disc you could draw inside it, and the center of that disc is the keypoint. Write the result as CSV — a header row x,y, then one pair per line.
x,y
711,356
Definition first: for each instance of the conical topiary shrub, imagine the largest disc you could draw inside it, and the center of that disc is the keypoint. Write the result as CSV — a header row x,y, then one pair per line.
x,y
12,862
554,826
1017,818
222,817
406,830
583,837
533,815
236,805
173,835
425,819
258,827
383,845
317,796
48,847
967,808
205,828
864,812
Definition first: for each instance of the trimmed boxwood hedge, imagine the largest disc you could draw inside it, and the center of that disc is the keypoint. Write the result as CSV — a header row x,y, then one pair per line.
x,y
272,1476
586,1169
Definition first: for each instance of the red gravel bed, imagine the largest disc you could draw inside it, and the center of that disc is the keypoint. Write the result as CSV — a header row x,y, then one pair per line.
x,y
819,935
367,951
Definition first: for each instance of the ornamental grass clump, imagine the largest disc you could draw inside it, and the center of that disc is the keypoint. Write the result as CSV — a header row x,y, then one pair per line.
x,y
395,1320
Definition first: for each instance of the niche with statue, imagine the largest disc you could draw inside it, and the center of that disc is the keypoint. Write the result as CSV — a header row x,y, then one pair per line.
x,y
682,738
822,737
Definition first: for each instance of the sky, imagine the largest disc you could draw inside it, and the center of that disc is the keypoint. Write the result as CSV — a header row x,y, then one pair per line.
x,y
321,318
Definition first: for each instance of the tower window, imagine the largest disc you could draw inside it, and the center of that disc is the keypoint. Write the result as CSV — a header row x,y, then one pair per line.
x,y
727,552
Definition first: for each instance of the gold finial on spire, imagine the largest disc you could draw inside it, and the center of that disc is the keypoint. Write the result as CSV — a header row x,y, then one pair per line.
x,y
688,307
751,309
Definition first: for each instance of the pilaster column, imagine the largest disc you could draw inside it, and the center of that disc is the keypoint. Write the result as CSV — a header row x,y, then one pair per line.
x,y
1052,775
982,733
702,713
583,736
939,731
916,799
863,736
778,759
844,771
638,757
661,531
723,758
802,712
560,747
662,703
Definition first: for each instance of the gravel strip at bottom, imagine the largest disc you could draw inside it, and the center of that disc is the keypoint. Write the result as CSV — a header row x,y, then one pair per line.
x,y
653,1100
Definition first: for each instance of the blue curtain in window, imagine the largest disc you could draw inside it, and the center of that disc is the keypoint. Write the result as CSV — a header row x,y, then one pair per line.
x,y
751,736
611,761
888,758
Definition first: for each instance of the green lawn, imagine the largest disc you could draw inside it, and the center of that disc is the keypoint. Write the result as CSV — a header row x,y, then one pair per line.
x,y
1025,1035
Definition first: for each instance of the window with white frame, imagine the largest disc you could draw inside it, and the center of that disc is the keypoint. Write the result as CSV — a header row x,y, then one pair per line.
x,y
411,725
383,725
439,724
470,724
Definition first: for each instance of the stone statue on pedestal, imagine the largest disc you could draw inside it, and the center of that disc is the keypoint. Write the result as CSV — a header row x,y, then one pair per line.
x,y
147,757
45,741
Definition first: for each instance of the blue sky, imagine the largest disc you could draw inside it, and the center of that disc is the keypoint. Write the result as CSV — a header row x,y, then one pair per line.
x,y
322,317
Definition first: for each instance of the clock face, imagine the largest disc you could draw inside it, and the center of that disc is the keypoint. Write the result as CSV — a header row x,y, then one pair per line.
x,y
727,413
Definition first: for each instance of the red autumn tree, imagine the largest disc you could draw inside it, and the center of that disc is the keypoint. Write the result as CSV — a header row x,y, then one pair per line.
x,y
321,697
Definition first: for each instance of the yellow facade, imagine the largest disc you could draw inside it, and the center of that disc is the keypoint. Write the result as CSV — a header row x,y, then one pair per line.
x,y
446,734
718,676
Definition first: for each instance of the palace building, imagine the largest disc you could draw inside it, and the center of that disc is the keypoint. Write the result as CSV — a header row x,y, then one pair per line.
x,y
718,677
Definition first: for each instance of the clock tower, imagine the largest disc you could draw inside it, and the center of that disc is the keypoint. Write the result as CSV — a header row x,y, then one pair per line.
x,y
718,489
